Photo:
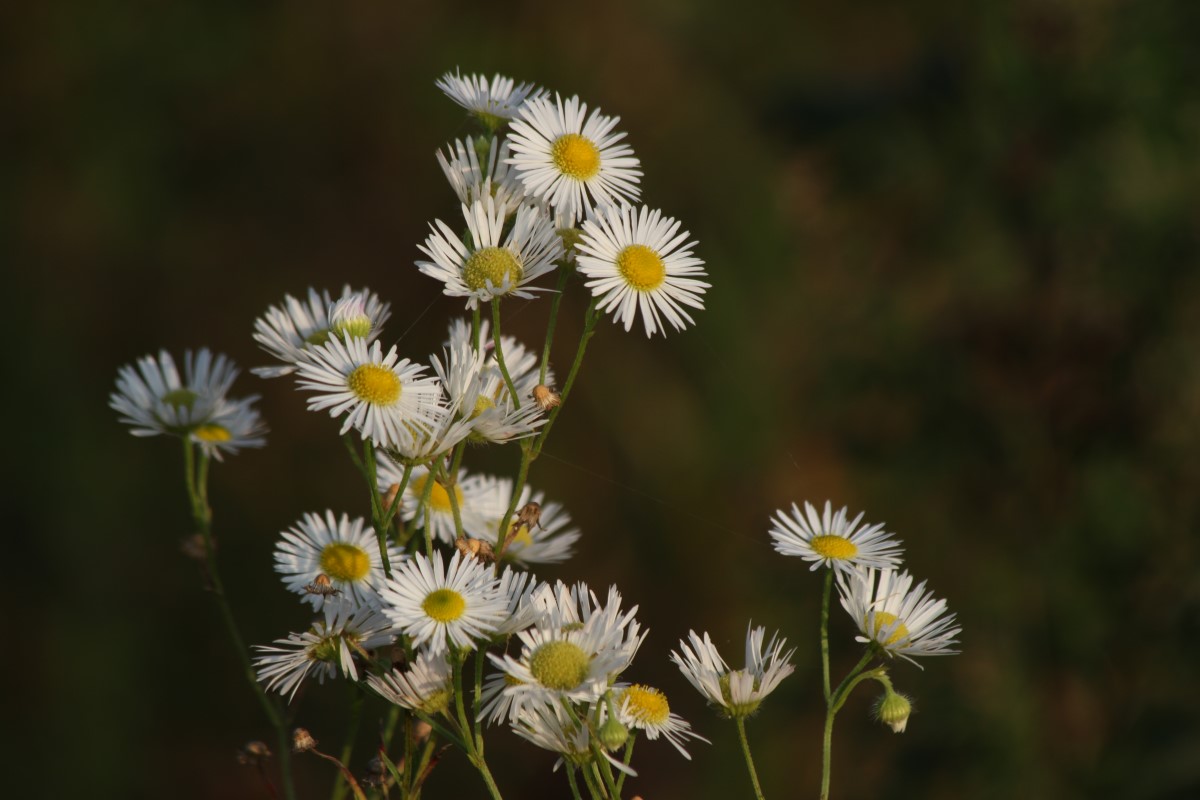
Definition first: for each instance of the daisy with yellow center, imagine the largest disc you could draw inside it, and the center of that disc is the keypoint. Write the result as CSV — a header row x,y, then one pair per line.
x,y
737,693
896,617
426,685
383,397
342,549
490,264
442,604
154,398
287,330
833,540
646,709
234,424
637,263
493,101
572,161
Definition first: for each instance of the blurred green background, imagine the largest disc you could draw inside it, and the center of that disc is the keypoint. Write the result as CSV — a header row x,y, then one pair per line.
x,y
954,255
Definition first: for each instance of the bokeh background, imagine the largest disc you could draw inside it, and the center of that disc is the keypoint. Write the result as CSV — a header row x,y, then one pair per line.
x,y
954,255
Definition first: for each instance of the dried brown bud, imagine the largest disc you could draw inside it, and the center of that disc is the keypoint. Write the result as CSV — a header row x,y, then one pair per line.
x,y
193,547
302,741
389,497
323,586
421,731
475,548
545,397
253,753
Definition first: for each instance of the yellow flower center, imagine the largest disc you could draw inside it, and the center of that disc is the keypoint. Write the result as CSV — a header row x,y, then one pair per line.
x,y
522,537
437,702
444,605
328,649
737,710
358,327
212,433
641,267
439,497
830,546
647,704
344,562
482,404
882,620
375,384
559,665
576,156
180,398
495,264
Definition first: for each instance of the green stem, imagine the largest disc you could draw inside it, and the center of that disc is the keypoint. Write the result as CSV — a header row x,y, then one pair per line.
x,y
591,317
832,706
825,631
377,514
591,780
197,486
339,785
518,488
563,275
451,485
628,757
508,381
571,780
741,729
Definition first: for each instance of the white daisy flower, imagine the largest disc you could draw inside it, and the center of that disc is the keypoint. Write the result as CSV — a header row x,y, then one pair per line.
x,y
550,541
494,102
897,618
473,180
471,492
833,540
288,330
637,262
234,424
550,727
432,601
493,265
426,685
571,163
737,692
646,709
380,396
325,649
344,550
155,399
525,598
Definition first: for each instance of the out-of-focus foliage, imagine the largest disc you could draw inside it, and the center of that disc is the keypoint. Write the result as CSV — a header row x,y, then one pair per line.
x,y
954,256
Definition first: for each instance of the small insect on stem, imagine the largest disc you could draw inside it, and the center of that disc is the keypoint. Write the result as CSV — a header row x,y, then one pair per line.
x,y
475,548
529,517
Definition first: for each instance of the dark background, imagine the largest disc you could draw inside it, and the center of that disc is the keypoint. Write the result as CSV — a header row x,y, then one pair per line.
x,y
953,249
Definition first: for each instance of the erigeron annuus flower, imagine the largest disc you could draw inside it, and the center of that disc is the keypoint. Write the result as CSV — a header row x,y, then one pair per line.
x,y
471,492
342,549
646,709
424,686
492,265
288,330
573,164
494,101
233,424
325,649
437,603
473,179
550,541
833,540
897,618
156,399
637,263
738,693
550,727
381,396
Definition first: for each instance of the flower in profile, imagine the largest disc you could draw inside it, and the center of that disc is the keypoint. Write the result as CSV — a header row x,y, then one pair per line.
x,y
894,616
833,540
492,265
325,649
637,263
645,708
493,101
473,178
471,493
425,686
572,163
234,424
288,330
738,693
433,601
155,399
342,549
383,397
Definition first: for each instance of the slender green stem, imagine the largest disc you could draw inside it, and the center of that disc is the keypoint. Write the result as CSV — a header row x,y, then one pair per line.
x,y
339,785
741,729
348,441
451,486
377,513
592,781
473,751
478,699
564,274
422,765
571,780
508,381
591,317
832,706
626,760
389,513
197,486
518,488
825,631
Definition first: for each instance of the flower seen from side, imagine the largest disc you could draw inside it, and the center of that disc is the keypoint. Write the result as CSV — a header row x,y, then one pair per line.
x,y
424,686
645,708
493,101
736,693
289,329
155,398
833,540
473,176
896,617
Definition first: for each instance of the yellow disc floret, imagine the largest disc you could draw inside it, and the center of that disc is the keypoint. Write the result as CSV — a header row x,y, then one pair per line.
x,y
882,620
647,704
345,562
444,605
212,433
576,156
439,496
641,267
836,547
494,264
375,384
559,665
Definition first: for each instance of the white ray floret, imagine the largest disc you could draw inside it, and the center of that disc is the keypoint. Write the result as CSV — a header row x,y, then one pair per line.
x,y
550,727
473,179
379,395
492,265
637,263
550,541
899,619
831,539
573,163
493,101
287,330
342,549
425,686
737,693
234,424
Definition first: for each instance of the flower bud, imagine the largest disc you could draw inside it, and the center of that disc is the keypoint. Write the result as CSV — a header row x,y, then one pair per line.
x,y
302,741
545,397
612,734
893,710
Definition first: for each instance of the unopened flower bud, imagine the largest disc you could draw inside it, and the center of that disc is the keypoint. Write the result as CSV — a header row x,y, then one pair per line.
x,y
253,753
302,741
612,734
893,710
545,397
